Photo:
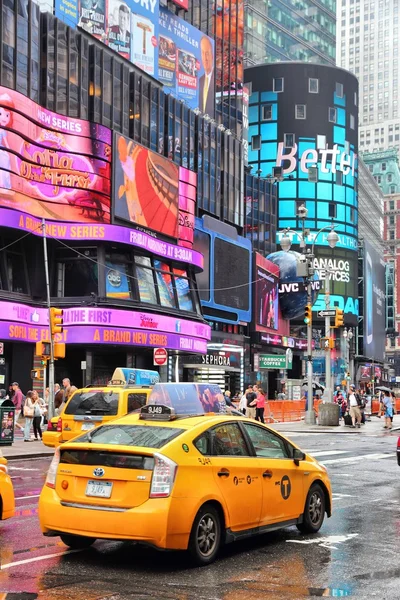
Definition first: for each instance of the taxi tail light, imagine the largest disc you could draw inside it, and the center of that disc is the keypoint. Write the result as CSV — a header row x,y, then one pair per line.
x,y
164,474
52,472
398,443
4,468
59,425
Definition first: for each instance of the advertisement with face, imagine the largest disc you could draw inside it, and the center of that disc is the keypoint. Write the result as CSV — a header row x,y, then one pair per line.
x,y
374,303
146,187
92,17
186,62
52,166
266,294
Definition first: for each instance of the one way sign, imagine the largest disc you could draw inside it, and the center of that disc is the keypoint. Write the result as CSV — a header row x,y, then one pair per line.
x,y
327,313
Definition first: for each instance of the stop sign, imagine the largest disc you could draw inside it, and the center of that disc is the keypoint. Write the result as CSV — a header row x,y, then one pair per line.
x,y
160,357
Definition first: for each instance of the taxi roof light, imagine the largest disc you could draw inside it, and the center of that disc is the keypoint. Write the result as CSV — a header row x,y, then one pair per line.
x,y
52,472
164,474
157,412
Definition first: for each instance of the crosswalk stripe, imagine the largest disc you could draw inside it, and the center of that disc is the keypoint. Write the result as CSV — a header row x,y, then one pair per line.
x,y
349,459
326,452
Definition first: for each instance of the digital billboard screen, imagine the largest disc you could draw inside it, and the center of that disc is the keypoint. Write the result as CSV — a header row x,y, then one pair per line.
x,y
146,187
229,33
52,166
186,62
266,294
374,303
231,274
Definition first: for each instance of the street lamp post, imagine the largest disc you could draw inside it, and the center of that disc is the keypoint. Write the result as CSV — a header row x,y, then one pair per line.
x,y
305,268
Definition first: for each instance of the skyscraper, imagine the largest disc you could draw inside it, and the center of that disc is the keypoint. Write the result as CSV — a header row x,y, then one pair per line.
x,y
368,45
302,30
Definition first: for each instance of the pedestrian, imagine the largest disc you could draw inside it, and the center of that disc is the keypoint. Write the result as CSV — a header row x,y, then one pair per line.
x,y
361,394
250,397
58,402
282,395
227,398
29,413
354,404
388,410
259,403
368,405
243,402
18,401
38,411
394,405
340,401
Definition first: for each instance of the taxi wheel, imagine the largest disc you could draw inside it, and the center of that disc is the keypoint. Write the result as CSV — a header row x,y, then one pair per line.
x,y
77,542
314,511
205,537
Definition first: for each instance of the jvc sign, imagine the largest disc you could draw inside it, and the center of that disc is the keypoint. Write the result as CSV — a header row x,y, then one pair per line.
x,y
311,157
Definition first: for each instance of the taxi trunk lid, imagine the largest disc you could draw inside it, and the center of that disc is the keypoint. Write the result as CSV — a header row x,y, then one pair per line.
x,y
109,479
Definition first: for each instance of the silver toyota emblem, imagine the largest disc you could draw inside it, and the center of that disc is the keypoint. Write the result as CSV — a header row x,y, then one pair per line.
x,y
99,472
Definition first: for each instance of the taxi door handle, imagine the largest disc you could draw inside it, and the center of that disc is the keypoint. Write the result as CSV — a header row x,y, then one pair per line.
x,y
267,474
223,473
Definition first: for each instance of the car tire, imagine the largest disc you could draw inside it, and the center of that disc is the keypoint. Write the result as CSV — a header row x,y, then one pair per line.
x,y
314,511
206,536
77,542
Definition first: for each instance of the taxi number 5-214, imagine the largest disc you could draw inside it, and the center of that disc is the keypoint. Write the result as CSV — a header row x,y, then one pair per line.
x,y
99,489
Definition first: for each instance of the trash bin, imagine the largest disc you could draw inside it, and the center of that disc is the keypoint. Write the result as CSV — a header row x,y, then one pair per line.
x,y
7,418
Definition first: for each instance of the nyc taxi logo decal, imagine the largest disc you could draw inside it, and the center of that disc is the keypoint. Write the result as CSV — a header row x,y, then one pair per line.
x,y
286,487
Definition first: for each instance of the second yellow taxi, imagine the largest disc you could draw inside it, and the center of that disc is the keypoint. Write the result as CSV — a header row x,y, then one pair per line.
x,y
177,477
7,502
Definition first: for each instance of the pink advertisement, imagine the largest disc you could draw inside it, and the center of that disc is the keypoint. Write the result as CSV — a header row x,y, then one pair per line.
x,y
187,204
52,166
267,314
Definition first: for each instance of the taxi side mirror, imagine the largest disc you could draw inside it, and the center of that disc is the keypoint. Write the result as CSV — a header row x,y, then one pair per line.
x,y
298,455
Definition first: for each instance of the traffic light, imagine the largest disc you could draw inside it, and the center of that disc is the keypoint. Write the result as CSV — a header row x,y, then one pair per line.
x,y
37,374
308,314
43,349
339,318
59,350
56,320
327,343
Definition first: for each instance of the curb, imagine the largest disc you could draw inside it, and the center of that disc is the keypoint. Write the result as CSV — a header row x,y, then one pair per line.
x,y
27,456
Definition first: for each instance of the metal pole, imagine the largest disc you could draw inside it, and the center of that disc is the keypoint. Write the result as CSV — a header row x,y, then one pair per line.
x,y
310,414
51,362
328,379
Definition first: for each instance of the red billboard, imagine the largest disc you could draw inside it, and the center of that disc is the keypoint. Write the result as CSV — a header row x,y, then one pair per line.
x,y
146,187
52,166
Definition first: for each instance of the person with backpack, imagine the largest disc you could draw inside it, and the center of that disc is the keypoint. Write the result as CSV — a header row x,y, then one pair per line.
x,y
18,400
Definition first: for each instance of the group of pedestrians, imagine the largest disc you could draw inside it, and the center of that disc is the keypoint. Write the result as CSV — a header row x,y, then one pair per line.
x,y
34,409
356,406
252,403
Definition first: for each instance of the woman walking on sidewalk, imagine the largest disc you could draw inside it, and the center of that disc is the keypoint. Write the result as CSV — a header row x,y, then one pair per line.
x,y
29,413
388,407
38,411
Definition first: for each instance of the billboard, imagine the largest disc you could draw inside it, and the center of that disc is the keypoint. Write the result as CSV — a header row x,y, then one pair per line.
x,y
229,33
52,166
186,62
266,294
130,28
146,187
374,303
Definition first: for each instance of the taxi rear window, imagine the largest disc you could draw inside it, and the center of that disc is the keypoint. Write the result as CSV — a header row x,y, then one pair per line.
x,y
93,402
107,459
131,435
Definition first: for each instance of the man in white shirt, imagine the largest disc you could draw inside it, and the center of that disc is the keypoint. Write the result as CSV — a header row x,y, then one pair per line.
x,y
355,411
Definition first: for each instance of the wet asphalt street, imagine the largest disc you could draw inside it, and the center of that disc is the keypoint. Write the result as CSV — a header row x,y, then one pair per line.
x,y
356,553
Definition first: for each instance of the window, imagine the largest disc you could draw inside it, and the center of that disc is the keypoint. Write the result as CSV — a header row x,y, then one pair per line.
x,y
164,283
389,178
391,234
383,166
332,115
321,142
76,272
391,220
300,111
203,443
228,440
145,279
352,122
277,84
94,402
256,142
266,112
16,270
288,140
339,90
136,401
371,168
332,210
118,276
392,189
132,435
313,85
352,214
266,444
391,204
339,178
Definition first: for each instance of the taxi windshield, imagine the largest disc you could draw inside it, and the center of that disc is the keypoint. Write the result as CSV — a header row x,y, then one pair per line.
x,y
93,402
131,435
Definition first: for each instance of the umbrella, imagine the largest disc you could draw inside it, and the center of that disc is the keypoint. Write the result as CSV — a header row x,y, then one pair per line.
x,y
316,385
382,388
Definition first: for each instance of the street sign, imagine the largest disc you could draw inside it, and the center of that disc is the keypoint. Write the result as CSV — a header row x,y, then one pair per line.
x,y
327,313
275,361
160,357
1,348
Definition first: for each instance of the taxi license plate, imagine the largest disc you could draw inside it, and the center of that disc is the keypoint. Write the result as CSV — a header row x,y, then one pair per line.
x,y
87,426
99,489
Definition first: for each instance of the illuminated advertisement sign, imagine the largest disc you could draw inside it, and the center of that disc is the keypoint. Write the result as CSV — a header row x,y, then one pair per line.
x,y
146,187
374,304
52,166
186,62
345,162
109,233
229,34
129,27
82,325
266,294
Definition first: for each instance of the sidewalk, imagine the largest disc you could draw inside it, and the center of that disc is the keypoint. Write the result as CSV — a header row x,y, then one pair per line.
x,y
374,427
21,449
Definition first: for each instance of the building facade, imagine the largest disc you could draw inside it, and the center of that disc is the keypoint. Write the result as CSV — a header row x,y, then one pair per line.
x,y
300,31
368,46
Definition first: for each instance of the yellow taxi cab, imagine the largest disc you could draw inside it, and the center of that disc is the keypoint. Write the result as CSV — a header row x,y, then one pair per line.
x,y
127,391
7,502
184,474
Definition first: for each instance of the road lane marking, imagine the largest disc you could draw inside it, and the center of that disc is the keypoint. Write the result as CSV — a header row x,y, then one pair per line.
x,y
27,497
36,559
21,469
326,452
348,459
329,541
